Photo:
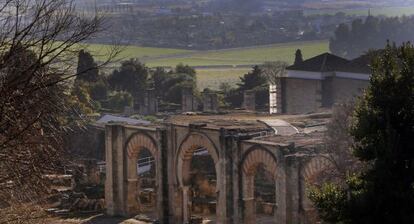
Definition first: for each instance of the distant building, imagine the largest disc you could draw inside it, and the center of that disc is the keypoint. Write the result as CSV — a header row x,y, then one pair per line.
x,y
320,82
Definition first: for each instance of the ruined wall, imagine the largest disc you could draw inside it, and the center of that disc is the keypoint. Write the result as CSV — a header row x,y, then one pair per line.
x,y
302,95
235,158
347,89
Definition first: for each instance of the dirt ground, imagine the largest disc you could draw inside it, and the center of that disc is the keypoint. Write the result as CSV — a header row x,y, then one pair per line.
x,y
94,219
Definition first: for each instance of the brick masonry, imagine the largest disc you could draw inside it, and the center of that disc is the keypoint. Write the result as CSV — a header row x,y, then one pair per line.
x,y
235,155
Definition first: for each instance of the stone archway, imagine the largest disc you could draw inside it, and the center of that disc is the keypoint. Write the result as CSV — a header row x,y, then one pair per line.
x,y
309,175
192,142
135,145
253,158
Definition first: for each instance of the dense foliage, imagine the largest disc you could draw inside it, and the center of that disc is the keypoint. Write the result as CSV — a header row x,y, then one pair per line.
x,y
87,67
383,130
169,85
256,80
361,36
132,77
200,30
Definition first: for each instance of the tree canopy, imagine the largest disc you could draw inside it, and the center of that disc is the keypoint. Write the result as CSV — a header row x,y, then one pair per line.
x,y
371,33
252,79
87,68
383,131
132,77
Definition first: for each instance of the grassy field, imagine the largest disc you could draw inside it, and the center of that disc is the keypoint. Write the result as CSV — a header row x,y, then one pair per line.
x,y
243,56
386,11
213,77
100,51
153,57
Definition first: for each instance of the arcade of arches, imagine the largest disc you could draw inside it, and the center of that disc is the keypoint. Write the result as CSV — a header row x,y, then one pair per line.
x,y
237,153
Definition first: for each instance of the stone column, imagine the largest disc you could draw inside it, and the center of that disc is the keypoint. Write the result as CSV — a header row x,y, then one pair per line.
x,y
248,200
132,186
292,190
249,211
186,212
115,180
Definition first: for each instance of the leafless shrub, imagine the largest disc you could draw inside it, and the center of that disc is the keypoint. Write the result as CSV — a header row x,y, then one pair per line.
x,y
338,141
39,42
274,70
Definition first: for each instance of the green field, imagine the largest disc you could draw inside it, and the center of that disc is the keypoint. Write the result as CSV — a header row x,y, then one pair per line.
x,y
210,76
245,56
386,11
153,57
100,51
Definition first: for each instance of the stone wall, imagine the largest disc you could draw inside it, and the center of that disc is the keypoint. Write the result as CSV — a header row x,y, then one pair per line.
x,y
302,95
188,100
235,159
210,102
347,89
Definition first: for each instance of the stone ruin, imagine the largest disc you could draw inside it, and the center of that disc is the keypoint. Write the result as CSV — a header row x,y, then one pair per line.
x,y
188,101
249,100
236,148
210,102
149,105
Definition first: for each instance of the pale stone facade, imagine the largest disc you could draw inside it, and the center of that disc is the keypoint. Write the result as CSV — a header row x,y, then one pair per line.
x,y
236,150
320,82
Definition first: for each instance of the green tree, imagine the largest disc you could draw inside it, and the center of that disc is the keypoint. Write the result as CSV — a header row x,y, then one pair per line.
x,y
98,90
298,57
159,75
119,100
174,84
253,79
383,130
185,69
87,68
168,86
132,77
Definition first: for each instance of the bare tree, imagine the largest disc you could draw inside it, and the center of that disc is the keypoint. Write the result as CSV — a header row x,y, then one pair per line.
x,y
274,70
339,142
39,43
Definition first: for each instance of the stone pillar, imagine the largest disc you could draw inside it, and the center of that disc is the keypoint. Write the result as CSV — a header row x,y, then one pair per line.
x,y
273,99
210,102
281,192
149,105
188,101
186,212
249,100
132,187
115,179
162,178
249,212
292,190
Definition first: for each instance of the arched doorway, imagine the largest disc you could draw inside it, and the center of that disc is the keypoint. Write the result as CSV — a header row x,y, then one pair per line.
x,y
316,171
203,186
146,194
265,195
143,171
198,174
259,171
